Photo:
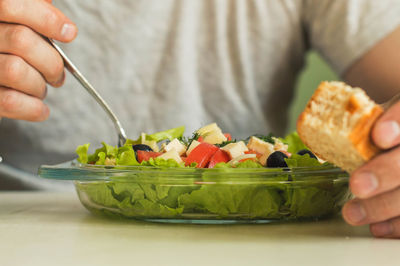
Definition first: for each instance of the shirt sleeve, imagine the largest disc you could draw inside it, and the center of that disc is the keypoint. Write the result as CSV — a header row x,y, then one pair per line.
x,y
344,30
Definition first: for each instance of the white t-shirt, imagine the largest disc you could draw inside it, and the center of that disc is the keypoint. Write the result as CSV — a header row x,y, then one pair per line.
x,y
162,64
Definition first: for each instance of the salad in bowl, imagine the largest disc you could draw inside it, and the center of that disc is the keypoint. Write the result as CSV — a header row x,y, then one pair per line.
x,y
209,177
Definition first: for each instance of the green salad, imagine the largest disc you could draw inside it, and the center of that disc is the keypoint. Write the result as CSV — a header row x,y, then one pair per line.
x,y
260,177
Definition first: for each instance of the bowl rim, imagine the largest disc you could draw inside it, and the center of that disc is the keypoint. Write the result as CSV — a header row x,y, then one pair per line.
x,y
73,170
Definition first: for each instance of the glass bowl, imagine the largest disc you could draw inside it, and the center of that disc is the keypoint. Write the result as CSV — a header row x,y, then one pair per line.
x,y
189,195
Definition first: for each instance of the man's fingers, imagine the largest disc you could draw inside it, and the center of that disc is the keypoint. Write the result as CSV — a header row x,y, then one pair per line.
x,y
39,15
386,132
379,175
17,74
17,105
387,229
22,41
373,210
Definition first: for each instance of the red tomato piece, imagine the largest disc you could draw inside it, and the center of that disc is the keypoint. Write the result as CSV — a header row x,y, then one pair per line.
x,y
183,158
228,136
201,154
146,155
220,156
200,139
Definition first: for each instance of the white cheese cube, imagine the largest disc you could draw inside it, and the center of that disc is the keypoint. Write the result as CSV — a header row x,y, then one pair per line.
x,y
263,159
214,137
235,149
172,154
151,143
209,128
192,145
109,161
279,145
236,160
177,145
163,146
260,146
142,137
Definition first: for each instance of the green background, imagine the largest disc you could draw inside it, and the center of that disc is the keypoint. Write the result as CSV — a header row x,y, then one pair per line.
x,y
316,70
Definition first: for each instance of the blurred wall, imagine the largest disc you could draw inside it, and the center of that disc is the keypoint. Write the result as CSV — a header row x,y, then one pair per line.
x,y
315,72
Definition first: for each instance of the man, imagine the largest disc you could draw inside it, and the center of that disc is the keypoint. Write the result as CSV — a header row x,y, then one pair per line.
x,y
160,64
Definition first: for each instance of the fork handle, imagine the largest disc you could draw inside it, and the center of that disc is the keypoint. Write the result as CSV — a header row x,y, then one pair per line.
x,y
85,83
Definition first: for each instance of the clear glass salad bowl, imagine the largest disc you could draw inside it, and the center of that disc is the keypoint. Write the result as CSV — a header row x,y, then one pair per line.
x,y
190,195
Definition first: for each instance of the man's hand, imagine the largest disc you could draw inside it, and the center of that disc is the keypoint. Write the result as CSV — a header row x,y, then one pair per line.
x,y
27,61
376,184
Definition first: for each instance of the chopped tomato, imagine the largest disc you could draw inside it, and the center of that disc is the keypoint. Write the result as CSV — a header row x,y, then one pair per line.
x,y
200,139
183,158
258,155
220,156
228,136
146,155
201,154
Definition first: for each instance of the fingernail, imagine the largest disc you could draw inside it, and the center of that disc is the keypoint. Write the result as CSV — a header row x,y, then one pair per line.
x,y
355,212
388,132
45,92
68,31
382,229
61,80
363,184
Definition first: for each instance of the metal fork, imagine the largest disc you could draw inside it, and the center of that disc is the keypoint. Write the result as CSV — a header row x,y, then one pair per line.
x,y
391,102
85,83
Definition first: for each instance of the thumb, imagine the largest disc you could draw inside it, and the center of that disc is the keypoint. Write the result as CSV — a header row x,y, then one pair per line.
x,y
386,132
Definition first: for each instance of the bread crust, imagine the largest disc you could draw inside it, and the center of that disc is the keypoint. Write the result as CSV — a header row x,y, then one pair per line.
x,y
361,134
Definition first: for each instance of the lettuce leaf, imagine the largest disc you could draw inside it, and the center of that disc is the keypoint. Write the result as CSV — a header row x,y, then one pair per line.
x,y
174,133
251,200
169,134
244,164
320,198
170,163
127,199
127,158
305,160
248,164
82,152
294,143
101,158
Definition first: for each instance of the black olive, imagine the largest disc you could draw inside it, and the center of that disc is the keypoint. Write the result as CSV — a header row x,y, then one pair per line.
x,y
277,159
305,151
141,147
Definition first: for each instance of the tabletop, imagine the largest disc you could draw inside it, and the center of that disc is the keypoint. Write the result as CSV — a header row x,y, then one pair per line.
x,y
40,228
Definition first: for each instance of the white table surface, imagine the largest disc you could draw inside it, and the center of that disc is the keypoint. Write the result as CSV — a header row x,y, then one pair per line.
x,y
54,229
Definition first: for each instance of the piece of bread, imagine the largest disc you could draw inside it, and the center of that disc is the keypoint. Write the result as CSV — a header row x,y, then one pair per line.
x,y
336,125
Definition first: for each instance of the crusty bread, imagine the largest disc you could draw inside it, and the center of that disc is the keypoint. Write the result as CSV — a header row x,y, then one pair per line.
x,y
336,125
